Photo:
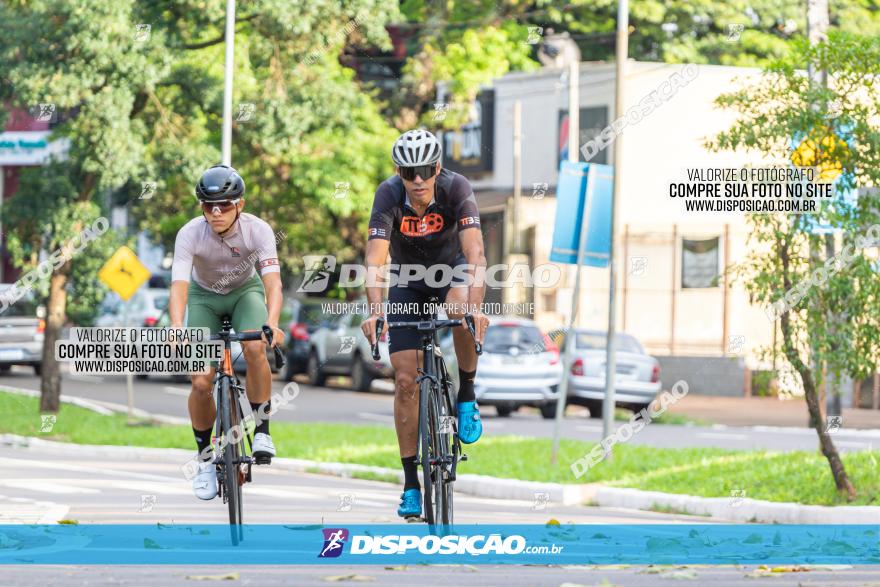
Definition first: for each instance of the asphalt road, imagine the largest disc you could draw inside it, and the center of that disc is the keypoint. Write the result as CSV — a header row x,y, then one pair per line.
x,y
47,483
336,403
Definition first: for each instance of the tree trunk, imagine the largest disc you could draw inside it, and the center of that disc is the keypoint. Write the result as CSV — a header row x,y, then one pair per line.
x,y
50,384
841,480
838,471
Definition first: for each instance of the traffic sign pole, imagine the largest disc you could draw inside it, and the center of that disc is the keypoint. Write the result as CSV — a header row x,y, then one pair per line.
x,y
569,332
125,274
129,380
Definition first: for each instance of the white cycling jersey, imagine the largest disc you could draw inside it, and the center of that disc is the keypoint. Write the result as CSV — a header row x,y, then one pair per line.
x,y
224,264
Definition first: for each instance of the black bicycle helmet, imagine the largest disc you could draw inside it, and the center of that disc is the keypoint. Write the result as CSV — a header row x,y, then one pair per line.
x,y
220,182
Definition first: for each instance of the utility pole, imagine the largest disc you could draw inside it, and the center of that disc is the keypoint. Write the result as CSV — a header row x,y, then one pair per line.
x,y
817,32
226,145
516,245
619,79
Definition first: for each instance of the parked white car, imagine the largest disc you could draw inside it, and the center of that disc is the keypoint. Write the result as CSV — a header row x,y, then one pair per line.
x,y
340,348
21,333
519,366
145,308
638,374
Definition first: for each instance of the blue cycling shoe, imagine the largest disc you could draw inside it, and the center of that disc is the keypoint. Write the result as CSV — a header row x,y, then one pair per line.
x,y
470,427
410,503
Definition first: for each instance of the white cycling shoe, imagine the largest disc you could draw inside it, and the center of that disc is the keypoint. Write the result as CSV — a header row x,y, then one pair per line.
x,y
205,481
263,448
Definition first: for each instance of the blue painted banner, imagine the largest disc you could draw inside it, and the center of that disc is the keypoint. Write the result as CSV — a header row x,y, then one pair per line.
x,y
466,544
570,201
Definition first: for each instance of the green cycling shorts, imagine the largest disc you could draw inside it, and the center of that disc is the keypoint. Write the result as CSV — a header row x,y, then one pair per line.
x,y
246,305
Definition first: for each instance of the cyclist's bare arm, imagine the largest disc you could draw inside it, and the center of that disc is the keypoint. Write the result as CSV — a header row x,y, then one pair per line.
x,y
177,303
472,247
377,253
272,285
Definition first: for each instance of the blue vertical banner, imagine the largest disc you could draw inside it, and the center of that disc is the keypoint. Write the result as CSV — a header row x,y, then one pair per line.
x,y
571,198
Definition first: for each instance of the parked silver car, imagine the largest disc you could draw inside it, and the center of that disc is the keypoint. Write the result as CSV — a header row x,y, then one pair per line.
x,y
21,333
519,366
145,308
340,348
638,374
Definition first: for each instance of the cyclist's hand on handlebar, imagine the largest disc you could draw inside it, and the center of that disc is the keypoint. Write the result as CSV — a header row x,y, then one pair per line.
x,y
481,323
368,327
277,335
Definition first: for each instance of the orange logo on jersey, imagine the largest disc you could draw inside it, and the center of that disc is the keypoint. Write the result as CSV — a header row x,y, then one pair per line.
x,y
413,226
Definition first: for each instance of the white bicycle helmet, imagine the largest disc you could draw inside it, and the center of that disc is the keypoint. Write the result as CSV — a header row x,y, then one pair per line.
x,y
416,147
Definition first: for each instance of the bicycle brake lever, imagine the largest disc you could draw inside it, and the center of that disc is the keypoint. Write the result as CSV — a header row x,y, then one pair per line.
x,y
380,324
279,356
469,321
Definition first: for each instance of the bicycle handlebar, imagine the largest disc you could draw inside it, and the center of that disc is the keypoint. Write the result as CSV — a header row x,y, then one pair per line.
x,y
426,326
253,335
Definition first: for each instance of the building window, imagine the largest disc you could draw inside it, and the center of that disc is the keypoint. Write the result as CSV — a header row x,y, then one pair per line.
x,y
699,263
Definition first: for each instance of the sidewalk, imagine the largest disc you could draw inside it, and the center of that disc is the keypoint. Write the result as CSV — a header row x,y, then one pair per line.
x,y
763,411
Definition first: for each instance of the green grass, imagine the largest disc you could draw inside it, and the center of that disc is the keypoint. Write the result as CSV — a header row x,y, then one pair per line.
x,y
802,477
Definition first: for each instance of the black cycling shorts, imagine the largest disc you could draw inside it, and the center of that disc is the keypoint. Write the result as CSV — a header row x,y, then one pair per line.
x,y
416,295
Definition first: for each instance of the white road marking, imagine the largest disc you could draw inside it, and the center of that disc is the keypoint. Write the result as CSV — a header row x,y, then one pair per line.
x,y
177,390
722,435
375,417
181,487
852,444
103,466
45,486
85,378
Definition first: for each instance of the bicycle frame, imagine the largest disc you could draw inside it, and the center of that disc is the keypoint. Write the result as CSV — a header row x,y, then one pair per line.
x,y
439,448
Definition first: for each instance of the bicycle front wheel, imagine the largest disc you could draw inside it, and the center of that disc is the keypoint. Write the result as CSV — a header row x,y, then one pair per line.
x,y
432,453
230,442
450,449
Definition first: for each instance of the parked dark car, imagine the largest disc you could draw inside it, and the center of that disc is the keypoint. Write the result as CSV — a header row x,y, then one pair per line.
x,y
306,316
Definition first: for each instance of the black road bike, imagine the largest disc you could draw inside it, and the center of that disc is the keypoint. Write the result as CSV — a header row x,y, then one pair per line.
x,y
439,446
233,460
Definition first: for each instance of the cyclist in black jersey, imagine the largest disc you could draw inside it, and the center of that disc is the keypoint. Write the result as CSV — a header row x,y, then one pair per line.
x,y
427,217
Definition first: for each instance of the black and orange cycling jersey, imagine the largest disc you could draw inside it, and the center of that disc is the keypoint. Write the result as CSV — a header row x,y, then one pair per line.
x,y
431,239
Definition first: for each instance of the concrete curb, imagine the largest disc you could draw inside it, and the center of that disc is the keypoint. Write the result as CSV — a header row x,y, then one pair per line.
x,y
720,508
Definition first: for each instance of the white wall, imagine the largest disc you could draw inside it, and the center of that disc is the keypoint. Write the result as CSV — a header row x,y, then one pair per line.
x,y
656,152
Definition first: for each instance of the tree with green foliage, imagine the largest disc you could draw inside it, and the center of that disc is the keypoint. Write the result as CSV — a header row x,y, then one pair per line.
x,y
782,269
466,44
139,86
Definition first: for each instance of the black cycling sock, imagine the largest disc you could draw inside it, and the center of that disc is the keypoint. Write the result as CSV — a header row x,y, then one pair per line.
x,y
263,426
203,441
410,472
466,386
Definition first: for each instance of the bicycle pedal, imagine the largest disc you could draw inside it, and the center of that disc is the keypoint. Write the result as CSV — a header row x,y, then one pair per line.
x,y
263,459
414,519
463,457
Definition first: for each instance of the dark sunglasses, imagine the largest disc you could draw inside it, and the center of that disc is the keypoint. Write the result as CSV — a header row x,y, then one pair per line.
x,y
423,171
224,205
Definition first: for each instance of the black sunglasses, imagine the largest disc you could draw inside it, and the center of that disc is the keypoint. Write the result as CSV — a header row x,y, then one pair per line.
x,y
423,171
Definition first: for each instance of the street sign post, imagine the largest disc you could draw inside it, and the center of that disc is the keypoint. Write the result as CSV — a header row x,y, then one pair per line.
x,y
583,199
124,274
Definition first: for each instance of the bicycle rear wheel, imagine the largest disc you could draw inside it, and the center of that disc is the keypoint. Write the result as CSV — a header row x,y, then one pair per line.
x,y
231,454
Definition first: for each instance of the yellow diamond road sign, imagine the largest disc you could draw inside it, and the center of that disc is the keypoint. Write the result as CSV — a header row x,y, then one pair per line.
x,y
124,273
